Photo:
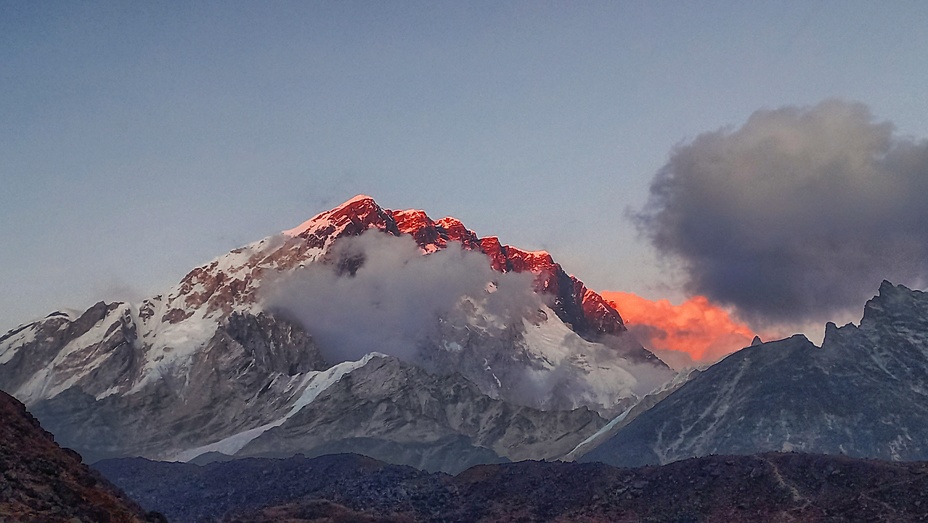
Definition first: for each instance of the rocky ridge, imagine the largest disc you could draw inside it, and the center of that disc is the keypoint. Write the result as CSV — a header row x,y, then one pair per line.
x,y
864,393
584,310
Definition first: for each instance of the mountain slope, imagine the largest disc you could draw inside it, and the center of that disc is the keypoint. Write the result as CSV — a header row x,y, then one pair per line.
x,y
863,393
40,481
216,362
388,400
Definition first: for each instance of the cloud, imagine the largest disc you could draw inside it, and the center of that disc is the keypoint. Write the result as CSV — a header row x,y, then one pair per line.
x,y
379,293
797,215
694,332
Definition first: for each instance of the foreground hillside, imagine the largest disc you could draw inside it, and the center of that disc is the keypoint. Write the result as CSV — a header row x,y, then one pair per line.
x,y
766,487
40,481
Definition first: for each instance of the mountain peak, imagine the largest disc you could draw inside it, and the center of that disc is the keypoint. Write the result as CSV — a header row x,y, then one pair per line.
x,y
348,219
358,198
894,304
888,290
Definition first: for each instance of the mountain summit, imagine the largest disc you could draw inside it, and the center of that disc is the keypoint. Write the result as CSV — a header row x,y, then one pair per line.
x,y
484,352
586,311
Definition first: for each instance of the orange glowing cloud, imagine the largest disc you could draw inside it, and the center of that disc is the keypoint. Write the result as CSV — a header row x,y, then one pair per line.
x,y
695,331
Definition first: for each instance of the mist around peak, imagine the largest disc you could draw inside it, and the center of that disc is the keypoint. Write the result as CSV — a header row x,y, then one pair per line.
x,y
449,311
378,292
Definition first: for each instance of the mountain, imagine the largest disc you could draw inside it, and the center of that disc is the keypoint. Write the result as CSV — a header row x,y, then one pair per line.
x,y
863,393
40,481
765,487
268,346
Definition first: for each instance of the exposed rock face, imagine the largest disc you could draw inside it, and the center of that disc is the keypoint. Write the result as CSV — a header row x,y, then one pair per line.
x,y
241,378
40,481
207,367
767,487
45,357
388,401
863,393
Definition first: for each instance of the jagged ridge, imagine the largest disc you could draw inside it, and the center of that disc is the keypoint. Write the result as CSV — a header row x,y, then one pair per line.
x,y
586,311
864,393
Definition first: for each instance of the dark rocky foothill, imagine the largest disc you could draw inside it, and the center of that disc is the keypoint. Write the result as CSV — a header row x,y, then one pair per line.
x,y
42,482
766,487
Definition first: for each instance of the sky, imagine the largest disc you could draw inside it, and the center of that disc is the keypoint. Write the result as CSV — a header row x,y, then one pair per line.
x,y
632,140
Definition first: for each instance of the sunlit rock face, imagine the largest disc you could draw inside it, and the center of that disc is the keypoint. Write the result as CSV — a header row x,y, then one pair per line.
x,y
864,393
215,366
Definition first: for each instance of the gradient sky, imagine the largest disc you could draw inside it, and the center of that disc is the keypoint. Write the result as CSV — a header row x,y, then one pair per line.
x,y
138,140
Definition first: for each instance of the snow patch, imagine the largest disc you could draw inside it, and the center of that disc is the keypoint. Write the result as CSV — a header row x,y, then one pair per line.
x,y
317,382
601,433
228,446
11,345
32,390
174,346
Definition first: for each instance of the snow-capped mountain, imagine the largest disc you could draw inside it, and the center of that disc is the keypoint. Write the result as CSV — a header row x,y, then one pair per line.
x,y
864,393
244,351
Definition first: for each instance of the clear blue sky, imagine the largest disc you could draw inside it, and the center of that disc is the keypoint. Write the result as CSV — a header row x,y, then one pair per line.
x,y
140,139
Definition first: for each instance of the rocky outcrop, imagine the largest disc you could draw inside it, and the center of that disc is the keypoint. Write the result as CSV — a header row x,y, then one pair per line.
x,y
95,350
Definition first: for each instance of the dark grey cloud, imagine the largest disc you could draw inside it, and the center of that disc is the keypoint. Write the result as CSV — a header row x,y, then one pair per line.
x,y
796,215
